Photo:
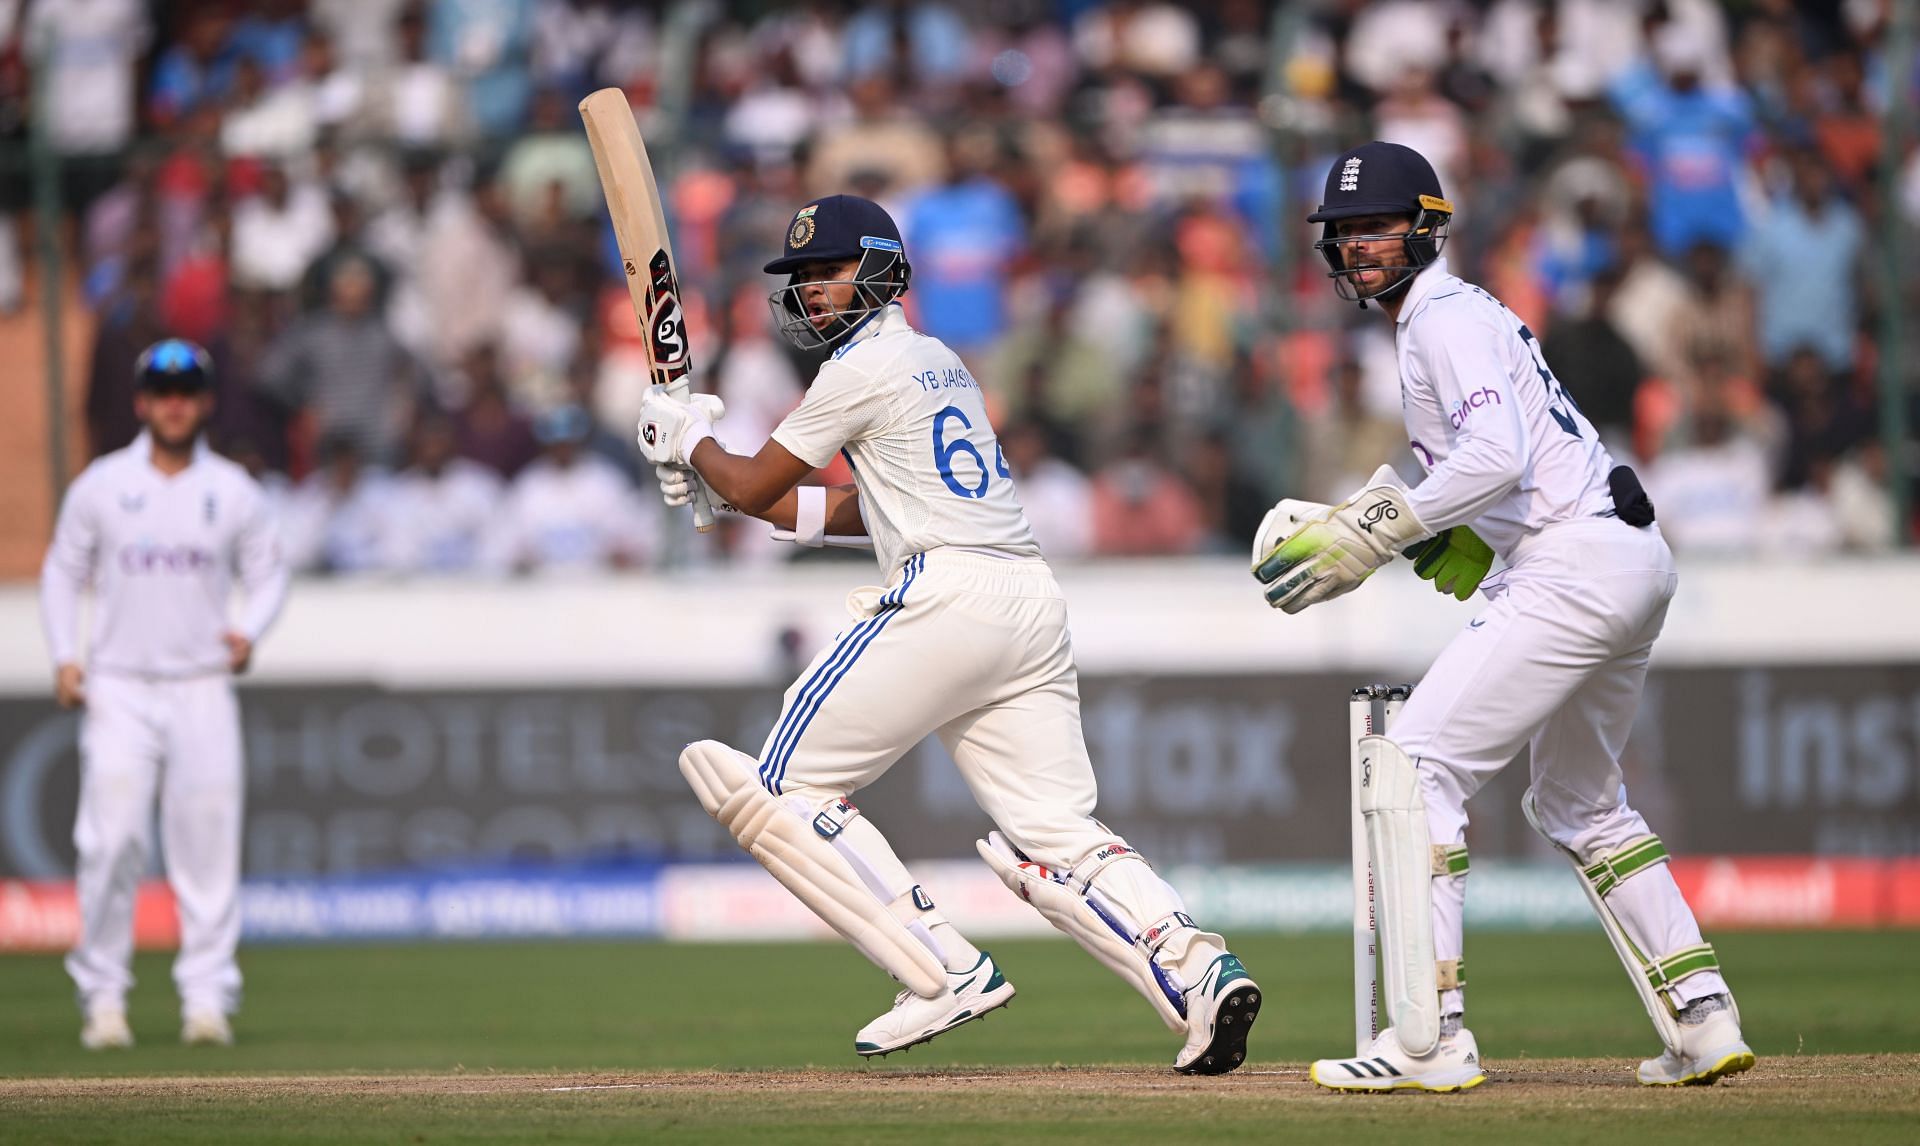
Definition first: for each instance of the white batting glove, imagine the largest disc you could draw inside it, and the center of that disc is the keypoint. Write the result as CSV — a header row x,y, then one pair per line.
x,y
671,428
676,485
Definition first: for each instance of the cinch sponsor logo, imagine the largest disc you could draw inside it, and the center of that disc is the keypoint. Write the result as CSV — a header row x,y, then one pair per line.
x,y
1463,410
144,558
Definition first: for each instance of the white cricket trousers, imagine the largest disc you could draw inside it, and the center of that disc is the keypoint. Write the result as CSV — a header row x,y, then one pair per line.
x,y
974,648
1557,661
179,740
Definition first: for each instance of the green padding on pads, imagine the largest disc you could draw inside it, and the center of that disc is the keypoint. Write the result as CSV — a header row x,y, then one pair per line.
x,y
1630,860
1669,968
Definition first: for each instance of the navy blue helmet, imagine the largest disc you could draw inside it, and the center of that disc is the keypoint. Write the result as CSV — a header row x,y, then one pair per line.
x,y
838,229
174,366
1381,178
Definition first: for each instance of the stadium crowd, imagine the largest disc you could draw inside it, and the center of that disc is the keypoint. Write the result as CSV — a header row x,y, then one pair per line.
x,y
382,218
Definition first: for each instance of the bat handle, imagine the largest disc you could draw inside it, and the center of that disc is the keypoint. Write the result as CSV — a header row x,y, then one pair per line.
x,y
702,504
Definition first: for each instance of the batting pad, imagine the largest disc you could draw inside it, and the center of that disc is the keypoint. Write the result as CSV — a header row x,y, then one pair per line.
x,y
1067,910
786,845
1402,851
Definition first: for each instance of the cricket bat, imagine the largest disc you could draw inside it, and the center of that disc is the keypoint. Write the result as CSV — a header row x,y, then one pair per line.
x,y
646,254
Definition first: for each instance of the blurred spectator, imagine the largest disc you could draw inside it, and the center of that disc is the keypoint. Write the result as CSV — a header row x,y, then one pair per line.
x,y
1230,506
465,269
1862,502
272,123
489,429
883,139
1595,364
553,150
278,232
1140,507
345,369
440,506
1140,36
487,44
1823,419
571,510
1649,293
1804,260
1691,139
1057,498
272,34
193,301
540,332
417,102
962,239
1047,368
351,244
194,73
920,38
89,51
1347,442
1712,495
1714,319
339,518
1414,114
363,31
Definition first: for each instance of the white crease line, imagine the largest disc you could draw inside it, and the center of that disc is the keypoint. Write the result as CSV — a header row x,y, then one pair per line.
x,y
604,1086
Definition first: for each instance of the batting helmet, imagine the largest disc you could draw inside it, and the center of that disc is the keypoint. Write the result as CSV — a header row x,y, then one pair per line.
x,y
1381,178
838,229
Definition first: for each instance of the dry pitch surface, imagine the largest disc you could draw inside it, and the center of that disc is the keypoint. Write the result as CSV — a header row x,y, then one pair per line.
x,y
1837,1098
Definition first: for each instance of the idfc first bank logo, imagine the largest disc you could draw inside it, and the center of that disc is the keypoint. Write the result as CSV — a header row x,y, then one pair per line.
x,y
1462,410
145,558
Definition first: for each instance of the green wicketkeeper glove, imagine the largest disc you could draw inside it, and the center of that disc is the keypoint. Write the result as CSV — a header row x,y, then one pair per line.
x,y
1455,560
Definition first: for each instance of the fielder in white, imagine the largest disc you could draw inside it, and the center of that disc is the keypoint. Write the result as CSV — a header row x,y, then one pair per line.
x,y
1556,661
159,530
968,640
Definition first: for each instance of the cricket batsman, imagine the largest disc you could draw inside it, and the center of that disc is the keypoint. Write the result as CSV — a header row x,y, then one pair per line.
x,y
966,640
160,530
1555,662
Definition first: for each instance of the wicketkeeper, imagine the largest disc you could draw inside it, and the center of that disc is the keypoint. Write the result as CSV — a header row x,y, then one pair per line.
x,y
1555,662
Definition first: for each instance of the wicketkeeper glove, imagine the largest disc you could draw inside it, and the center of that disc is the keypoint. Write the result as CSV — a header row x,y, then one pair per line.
x,y
1335,550
1456,560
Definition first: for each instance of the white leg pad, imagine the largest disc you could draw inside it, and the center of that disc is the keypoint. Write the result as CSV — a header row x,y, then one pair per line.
x,y
1402,853
809,866
1658,1009
1095,925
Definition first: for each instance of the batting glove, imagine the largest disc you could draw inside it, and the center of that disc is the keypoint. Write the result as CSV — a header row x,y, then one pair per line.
x,y
671,428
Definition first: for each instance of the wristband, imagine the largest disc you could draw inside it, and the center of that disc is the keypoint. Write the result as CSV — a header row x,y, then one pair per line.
x,y
810,516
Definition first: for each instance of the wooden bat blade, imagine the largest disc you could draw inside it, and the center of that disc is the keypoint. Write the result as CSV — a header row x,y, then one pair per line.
x,y
646,252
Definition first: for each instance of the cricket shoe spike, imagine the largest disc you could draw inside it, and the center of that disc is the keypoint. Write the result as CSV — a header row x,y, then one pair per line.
x,y
1453,1064
1221,1008
1711,1047
916,1019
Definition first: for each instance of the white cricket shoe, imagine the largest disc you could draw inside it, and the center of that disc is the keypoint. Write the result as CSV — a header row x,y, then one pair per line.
x,y
1711,1048
1453,1065
106,1029
914,1020
206,1029
1221,1008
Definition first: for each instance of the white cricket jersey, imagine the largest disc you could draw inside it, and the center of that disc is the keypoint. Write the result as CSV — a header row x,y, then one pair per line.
x,y
1505,449
913,426
161,553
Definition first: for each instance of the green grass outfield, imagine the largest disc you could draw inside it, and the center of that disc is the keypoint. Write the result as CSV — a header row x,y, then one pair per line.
x,y
702,1043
